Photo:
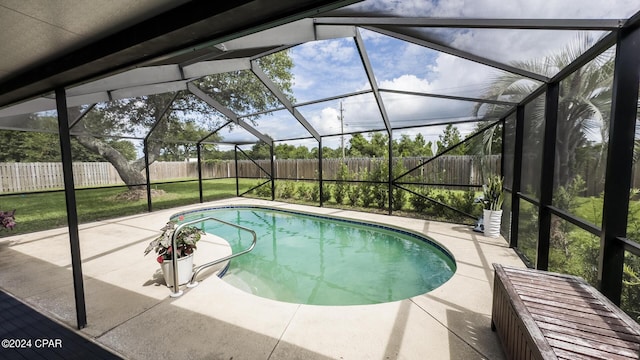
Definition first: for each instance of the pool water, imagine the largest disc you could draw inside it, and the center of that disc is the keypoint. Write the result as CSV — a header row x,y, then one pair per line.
x,y
320,260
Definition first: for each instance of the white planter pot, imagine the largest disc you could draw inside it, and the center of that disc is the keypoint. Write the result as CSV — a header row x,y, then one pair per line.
x,y
185,270
491,221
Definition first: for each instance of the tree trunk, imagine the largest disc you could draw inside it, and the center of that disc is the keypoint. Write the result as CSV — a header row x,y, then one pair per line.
x,y
130,173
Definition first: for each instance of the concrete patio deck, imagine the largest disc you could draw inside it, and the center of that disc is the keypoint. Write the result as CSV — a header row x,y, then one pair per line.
x,y
130,312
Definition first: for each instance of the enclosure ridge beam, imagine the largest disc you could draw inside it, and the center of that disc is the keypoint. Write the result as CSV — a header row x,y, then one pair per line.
x,y
460,54
283,99
475,120
336,97
478,23
330,98
450,97
397,128
372,81
270,52
210,67
295,32
195,90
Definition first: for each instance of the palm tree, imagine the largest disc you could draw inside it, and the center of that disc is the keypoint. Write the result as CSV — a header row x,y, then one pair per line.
x,y
584,104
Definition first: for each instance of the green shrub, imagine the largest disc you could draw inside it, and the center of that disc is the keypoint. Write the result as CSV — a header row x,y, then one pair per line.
x,y
380,190
340,189
286,190
315,191
353,194
326,192
463,201
365,189
264,190
303,192
419,203
339,192
399,196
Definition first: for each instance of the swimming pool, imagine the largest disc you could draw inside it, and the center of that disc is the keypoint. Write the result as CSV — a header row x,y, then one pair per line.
x,y
322,260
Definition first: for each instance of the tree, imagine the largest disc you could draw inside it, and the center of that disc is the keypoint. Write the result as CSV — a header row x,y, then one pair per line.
x,y
405,147
182,147
584,104
357,146
489,143
377,146
449,137
24,146
238,91
260,151
327,153
422,148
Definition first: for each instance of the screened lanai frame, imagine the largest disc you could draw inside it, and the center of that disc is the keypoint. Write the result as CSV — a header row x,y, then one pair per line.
x,y
623,34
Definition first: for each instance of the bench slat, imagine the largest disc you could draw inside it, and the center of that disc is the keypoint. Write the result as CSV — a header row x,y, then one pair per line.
x,y
614,337
590,347
618,329
587,350
557,316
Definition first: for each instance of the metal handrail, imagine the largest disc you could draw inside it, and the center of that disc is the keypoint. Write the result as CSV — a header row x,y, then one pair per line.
x,y
176,288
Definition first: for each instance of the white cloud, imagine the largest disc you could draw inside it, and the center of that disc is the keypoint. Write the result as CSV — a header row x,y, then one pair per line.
x,y
326,68
563,9
332,67
302,82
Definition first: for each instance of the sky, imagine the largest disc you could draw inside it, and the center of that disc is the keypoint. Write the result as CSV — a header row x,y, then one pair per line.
x,y
332,67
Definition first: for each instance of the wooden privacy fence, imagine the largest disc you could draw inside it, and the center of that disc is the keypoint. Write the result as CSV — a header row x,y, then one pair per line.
x,y
460,169
26,177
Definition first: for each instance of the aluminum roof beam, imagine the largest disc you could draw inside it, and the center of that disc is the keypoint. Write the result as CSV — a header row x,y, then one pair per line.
x,y
227,112
132,83
516,24
439,122
450,97
342,96
372,81
283,99
459,53
294,33
276,39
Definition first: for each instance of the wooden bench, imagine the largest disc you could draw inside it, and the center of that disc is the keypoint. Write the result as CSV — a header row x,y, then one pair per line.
x,y
543,315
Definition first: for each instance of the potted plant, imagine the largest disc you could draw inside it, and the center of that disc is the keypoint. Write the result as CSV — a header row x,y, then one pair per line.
x,y
7,220
492,198
186,244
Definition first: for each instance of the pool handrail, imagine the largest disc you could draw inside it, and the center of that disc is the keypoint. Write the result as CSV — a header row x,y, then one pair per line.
x,y
176,292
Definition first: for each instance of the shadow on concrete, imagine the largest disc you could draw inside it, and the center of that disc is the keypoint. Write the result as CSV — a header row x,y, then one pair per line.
x,y
129,323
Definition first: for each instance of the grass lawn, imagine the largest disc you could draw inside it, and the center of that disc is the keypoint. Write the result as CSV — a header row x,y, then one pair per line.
x,y
41,211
